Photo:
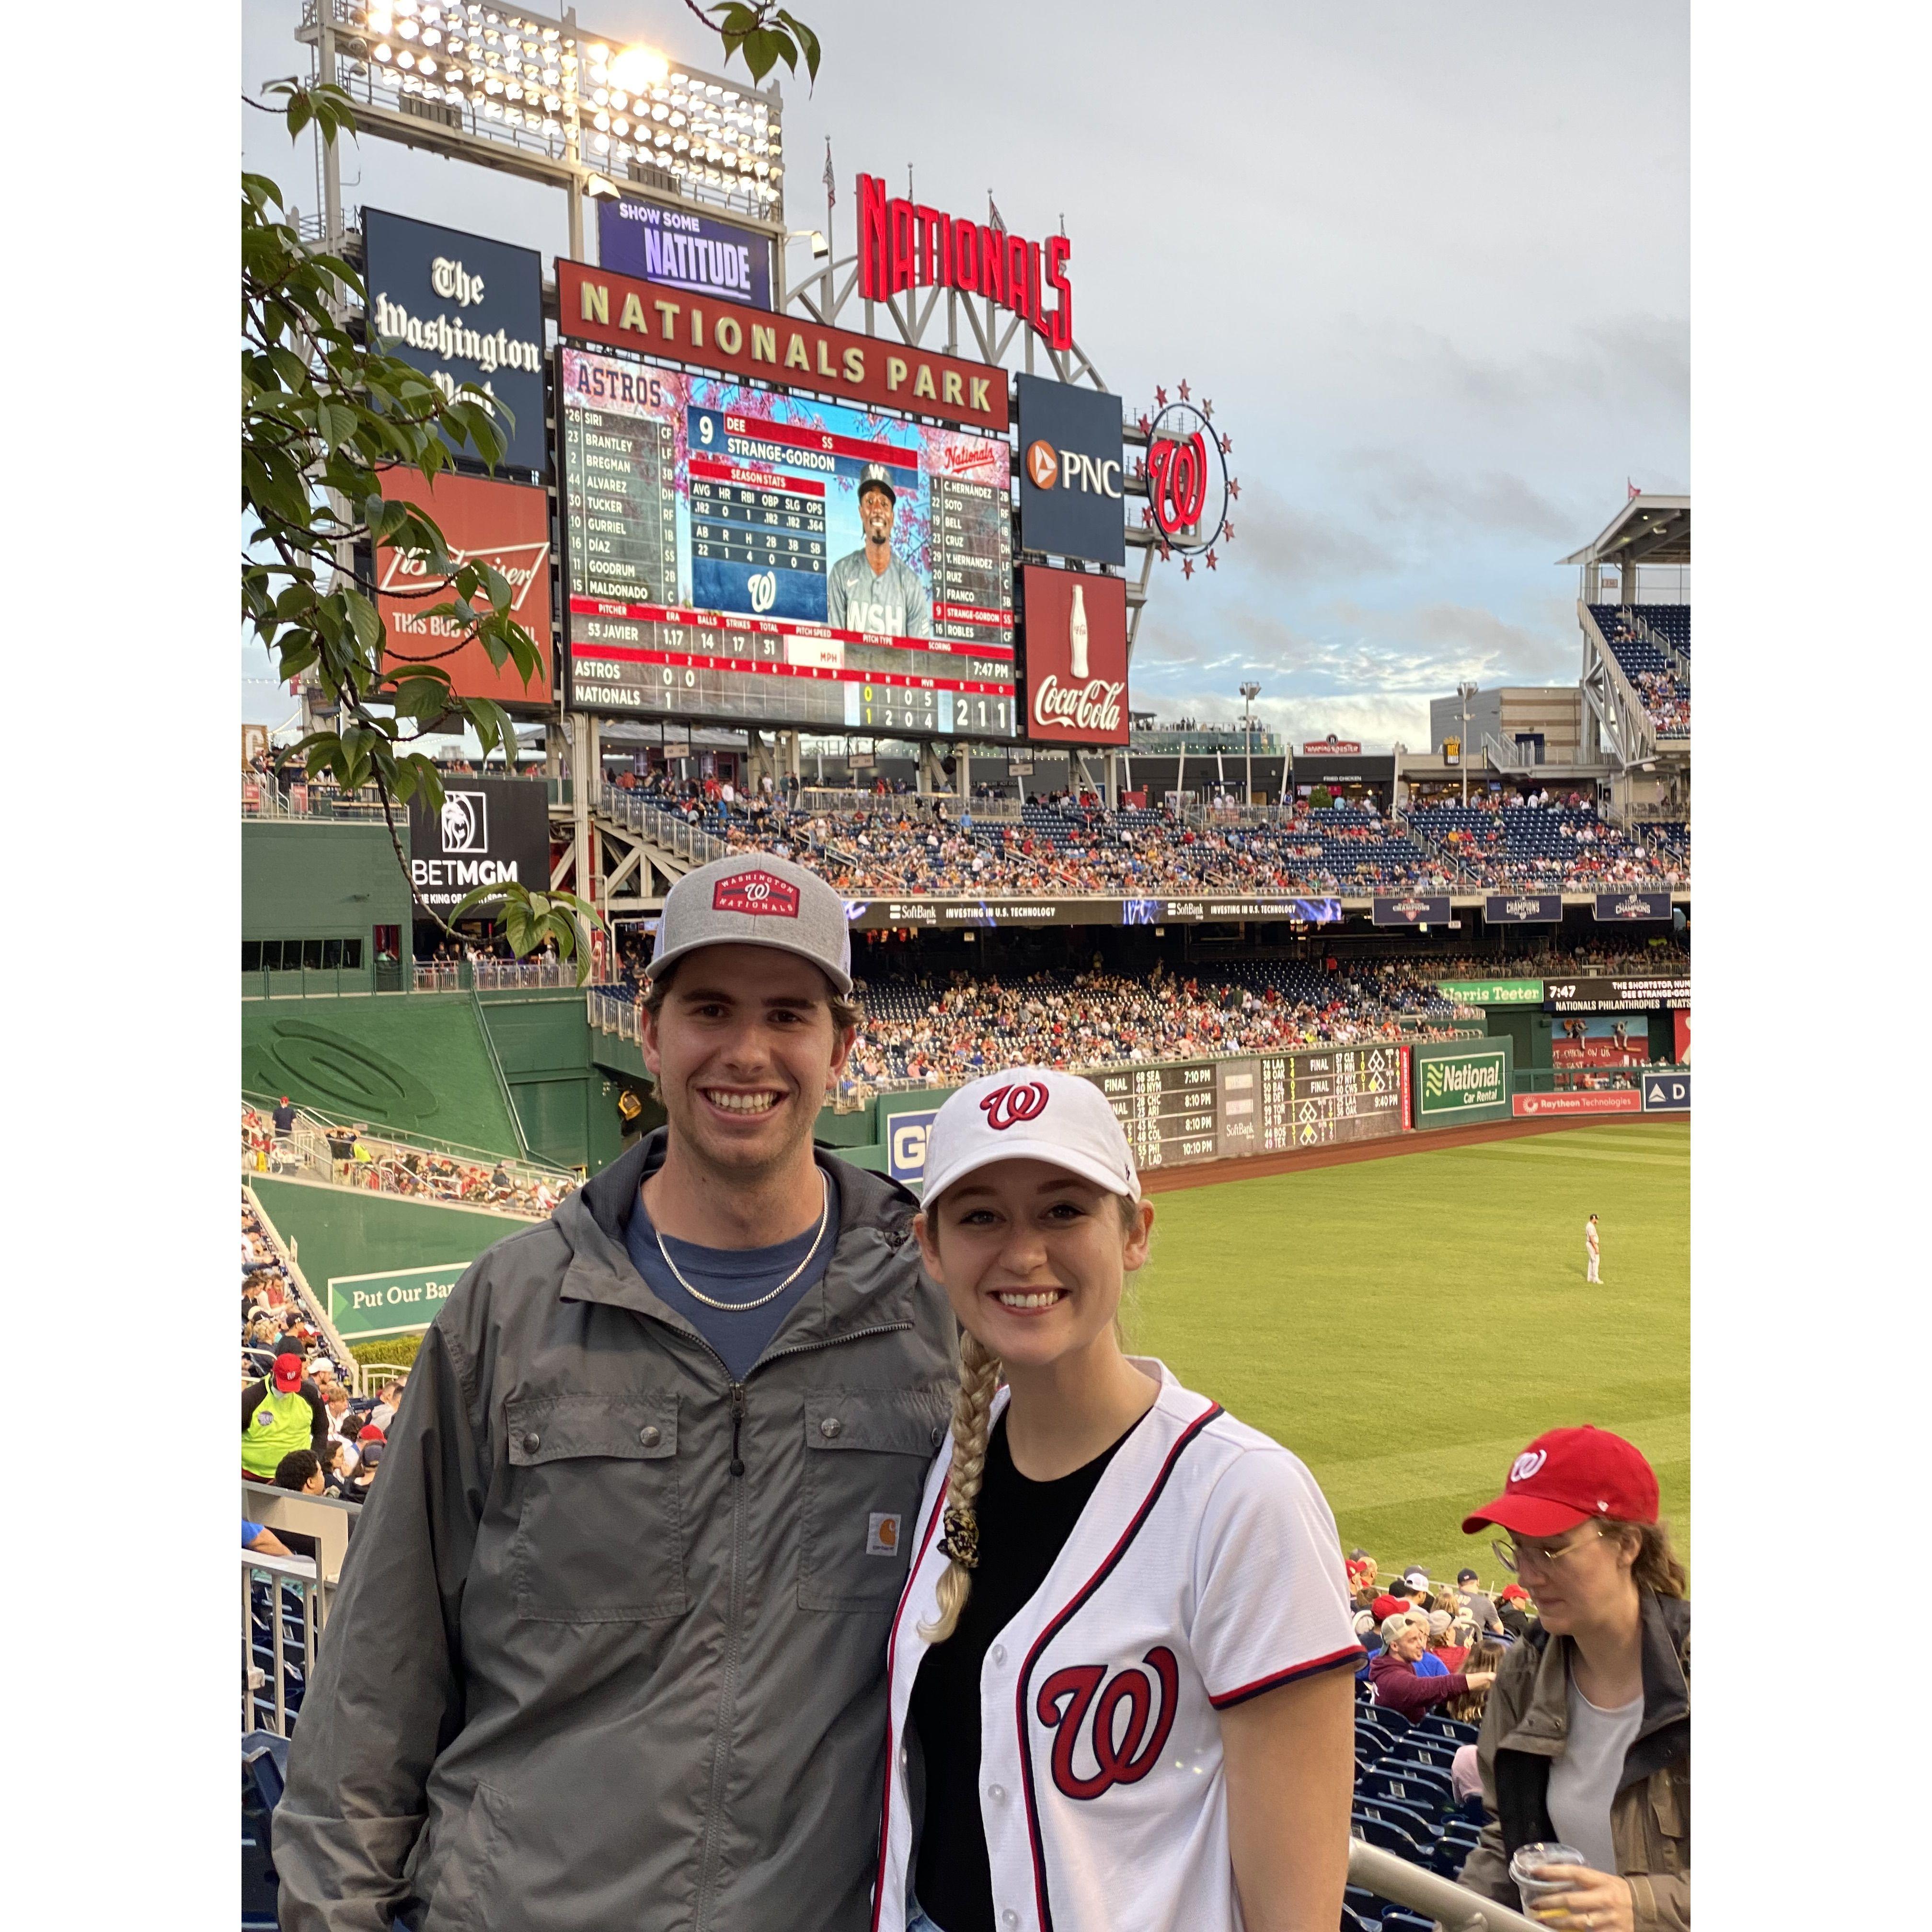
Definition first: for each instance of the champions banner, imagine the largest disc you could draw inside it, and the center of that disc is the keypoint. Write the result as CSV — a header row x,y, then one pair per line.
x,y
1413,909
1632,908
1523,909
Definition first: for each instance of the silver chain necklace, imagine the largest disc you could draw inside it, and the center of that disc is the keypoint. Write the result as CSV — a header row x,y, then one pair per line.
x,y
741,1307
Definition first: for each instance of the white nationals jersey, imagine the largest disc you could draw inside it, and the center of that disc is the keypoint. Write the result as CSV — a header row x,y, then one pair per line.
x,y
1204,1569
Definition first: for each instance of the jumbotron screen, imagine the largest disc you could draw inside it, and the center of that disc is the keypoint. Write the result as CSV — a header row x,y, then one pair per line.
x,y
736,555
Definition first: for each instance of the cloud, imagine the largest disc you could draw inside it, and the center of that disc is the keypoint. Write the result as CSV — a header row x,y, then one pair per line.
x,y
1406,492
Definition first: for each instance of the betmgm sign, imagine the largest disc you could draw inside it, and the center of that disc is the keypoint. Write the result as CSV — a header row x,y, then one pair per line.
x,y
488,832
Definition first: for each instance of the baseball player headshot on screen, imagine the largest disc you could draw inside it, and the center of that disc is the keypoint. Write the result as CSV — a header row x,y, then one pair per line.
x,y
869,589
1120,1674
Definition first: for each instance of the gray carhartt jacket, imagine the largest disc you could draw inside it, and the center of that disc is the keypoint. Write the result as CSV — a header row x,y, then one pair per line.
x,y
609,1649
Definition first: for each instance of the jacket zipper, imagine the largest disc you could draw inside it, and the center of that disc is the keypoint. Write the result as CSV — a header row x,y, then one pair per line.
x,y
728,1696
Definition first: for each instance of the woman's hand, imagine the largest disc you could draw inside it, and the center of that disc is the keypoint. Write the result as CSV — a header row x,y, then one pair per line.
x,y
1595,1901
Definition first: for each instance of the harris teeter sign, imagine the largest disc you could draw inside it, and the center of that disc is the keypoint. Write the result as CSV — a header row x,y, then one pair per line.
x,y
1492,992
1459,1084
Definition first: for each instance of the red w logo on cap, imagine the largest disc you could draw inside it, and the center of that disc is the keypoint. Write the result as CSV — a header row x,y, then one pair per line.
x,y
1005,1107
756,892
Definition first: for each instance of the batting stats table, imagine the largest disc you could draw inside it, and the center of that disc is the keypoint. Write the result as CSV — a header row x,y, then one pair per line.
x,y
1189,1111
758,537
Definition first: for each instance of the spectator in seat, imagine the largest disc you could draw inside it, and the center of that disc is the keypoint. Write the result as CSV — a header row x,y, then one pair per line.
x,y
1516,1609
300,1470
1480,1605
263,1541
388,1399
368,1459
1393,1678
280,1412
336,1467
1486,1655
340,1424
1587,1739
285,1117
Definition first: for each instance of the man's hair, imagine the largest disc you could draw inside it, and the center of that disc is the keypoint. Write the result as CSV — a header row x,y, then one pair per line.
x,y
295,1469
845,1013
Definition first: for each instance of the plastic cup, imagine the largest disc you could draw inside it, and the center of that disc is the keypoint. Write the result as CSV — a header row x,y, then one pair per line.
x,y
1528,1860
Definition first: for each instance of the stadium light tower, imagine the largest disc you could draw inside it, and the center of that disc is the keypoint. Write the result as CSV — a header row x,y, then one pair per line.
x,y
1465,691
1249,692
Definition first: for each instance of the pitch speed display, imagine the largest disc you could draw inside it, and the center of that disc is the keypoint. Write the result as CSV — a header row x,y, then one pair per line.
x,y
737,555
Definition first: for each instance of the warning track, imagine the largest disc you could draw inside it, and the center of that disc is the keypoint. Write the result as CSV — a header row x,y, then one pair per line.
x,y
1248,1167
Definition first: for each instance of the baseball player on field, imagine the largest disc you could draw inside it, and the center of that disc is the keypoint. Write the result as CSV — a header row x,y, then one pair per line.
x,y
1121,1677
1591,1249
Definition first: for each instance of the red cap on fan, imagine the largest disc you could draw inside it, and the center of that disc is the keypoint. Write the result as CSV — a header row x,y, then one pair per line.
x,y
1567,1476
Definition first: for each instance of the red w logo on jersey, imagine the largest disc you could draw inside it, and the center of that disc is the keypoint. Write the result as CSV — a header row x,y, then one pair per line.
x,y
1119,1751
1005,1107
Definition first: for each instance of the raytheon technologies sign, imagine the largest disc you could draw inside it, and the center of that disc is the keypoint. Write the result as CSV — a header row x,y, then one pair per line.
x,y
1070,499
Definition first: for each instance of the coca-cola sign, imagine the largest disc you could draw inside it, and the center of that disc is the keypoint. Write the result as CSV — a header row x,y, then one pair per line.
x,y
1075,637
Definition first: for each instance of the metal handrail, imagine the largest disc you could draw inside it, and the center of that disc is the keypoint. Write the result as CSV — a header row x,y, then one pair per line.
x,y
1454,1907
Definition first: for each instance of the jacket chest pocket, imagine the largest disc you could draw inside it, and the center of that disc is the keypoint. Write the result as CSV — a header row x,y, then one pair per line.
x,y
600,1535
866,1454
1669,1794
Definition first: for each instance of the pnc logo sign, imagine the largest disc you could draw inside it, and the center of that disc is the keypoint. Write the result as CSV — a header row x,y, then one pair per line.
x,y
1048,468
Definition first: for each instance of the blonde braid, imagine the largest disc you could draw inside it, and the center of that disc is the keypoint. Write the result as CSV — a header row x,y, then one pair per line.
x,y
972,1407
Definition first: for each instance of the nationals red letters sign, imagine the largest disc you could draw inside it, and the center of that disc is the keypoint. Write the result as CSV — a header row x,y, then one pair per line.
x,y
506,524
1075,633
905,245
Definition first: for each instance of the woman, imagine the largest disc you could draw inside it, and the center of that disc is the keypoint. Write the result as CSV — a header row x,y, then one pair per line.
x,y
1485,1660
1120,1671
1586,1740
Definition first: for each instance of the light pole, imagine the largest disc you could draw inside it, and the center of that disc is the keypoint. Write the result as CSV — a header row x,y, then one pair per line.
x,y
1249,692
1465,692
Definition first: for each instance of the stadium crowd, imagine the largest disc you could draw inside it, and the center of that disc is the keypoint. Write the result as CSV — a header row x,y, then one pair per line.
x,y
923,1029
282,1141
1065,846
301,1428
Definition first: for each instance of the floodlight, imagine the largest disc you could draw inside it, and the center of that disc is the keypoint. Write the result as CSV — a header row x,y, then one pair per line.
x,y
638,67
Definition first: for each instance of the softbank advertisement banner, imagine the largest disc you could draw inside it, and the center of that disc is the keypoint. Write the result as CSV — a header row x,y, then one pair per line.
x,y
504,524
697,252
1075,633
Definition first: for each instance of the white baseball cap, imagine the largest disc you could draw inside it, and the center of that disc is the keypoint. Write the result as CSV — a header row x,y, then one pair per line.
x,y
1030,1113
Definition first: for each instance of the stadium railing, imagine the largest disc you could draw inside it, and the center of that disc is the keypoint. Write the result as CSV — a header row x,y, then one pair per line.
x,y
314,1307
493,976
637,812
272,1678
305,1153
1454,1907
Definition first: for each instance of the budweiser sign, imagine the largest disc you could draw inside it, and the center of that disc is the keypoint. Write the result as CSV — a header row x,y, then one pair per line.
x,y
1093,709
1075,631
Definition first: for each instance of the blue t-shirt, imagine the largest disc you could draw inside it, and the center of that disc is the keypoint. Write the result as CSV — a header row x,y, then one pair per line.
x,y
735,1275
250,1531
1430,1665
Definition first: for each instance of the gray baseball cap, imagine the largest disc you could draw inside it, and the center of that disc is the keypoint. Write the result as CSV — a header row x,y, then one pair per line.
x,y
752,898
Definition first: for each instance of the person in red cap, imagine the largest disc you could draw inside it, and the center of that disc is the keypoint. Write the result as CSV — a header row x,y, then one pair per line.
x,y
1586,1739
280,1412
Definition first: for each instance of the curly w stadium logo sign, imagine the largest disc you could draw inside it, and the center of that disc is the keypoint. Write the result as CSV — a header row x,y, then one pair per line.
x,y
1468,1083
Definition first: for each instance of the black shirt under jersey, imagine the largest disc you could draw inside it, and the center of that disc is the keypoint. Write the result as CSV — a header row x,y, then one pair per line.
x,y
1023,1526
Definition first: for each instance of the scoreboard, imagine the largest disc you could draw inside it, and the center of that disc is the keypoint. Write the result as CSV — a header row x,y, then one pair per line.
x,y
715,567
1189,1111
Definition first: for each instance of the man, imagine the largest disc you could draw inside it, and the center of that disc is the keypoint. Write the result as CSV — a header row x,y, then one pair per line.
x,y
1481,1606
389,1400
609,1649
279,1412
1590,1250
285,1117
341,1422
300,1470
870,589
1396,1682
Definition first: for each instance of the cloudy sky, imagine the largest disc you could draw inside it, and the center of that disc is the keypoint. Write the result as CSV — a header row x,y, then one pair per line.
x,y
1430,263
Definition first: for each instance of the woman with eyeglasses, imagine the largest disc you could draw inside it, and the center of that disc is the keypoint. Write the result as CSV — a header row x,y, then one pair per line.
x,y
1586,1738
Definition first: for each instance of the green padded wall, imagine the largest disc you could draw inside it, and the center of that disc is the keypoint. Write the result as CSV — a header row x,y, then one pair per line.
x,y
421,1062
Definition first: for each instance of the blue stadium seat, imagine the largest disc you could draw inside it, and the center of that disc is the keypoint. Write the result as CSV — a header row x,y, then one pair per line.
x,y
1398,1919
264,1769
1391,1837
1390,1719
1352,1920
1436,1725
1407,1787
1418,1823
1426,1748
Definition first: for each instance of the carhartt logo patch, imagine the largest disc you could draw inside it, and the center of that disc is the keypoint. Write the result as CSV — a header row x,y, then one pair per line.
x,y
756,892
882,1535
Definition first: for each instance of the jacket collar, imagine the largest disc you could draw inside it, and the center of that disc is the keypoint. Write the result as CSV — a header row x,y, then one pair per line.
x,y
1665,1635
864,1284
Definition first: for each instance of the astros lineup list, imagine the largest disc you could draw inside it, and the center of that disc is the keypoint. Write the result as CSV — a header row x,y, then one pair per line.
x,y
700,521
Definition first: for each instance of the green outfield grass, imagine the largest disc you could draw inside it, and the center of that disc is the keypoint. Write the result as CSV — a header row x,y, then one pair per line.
x,y
1405,1325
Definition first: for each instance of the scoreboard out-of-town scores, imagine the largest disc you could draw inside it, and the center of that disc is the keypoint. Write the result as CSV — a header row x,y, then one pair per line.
x,y
1265,1103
